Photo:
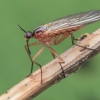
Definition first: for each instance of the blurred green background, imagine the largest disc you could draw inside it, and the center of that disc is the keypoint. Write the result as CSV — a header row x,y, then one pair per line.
x,y
14,61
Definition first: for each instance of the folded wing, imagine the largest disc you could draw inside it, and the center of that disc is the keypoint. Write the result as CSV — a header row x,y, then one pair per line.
x,y
74,21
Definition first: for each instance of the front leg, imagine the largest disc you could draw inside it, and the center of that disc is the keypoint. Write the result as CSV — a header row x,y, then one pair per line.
x,y
32,59
29,53
28,45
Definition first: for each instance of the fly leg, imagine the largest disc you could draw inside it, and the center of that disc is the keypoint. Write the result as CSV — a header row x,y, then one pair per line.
x,y
55,54
61,60
62,38
72,38
59,41
32,59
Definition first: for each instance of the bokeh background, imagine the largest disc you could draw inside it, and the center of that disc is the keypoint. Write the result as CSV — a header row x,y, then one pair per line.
x,y
14,61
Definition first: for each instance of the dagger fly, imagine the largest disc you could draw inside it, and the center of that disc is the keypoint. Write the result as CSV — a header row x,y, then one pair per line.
x,y
55,32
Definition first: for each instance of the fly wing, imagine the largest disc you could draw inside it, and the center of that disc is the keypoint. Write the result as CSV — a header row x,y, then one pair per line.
x,y
74,21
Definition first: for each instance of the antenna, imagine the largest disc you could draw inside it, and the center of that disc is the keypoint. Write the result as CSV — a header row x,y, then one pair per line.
x,y
21,28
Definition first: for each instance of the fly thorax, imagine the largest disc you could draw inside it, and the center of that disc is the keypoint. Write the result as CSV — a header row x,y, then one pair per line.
x,y
38,33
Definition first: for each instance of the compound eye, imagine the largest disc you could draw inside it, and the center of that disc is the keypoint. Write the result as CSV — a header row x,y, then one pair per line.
x,y
28,35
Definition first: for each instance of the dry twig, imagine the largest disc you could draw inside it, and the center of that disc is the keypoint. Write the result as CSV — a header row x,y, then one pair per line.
x,y
52,73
